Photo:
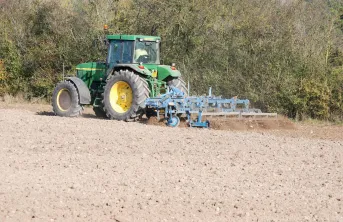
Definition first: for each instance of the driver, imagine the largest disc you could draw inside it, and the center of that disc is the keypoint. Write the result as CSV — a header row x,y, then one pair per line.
x,y
140,51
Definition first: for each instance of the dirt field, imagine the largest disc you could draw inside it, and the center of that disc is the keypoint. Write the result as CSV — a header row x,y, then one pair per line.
x,y
89,169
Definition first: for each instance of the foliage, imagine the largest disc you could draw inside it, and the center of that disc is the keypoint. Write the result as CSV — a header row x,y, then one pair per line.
x,y
285,56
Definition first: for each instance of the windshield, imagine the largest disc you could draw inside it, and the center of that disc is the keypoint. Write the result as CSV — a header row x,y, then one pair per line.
x,y
119,51
147,52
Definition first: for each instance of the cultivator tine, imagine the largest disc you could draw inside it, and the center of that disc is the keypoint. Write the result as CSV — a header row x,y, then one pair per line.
x,y
241,114
267,115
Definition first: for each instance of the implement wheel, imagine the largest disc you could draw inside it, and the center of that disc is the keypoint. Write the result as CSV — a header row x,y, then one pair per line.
x,y
180,84
174,121
124,95
65,100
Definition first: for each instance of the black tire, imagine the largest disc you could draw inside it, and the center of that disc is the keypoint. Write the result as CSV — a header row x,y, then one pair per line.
x,y
180,84
99,112
65,100
139,93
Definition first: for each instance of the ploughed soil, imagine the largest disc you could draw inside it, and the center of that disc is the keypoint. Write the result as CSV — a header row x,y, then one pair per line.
x,y
92,169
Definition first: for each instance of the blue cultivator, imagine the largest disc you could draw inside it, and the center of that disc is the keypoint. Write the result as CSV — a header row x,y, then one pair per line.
x,y
173,104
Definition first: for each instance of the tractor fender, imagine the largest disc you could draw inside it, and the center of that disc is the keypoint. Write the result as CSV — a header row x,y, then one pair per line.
x,y
133,67
84,94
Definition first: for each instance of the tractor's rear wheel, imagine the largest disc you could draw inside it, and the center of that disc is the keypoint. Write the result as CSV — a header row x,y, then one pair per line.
x,y
65,100
180,84
124,95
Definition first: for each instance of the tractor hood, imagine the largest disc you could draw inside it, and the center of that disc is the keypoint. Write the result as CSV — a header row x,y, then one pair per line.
x,y
91,70
163,71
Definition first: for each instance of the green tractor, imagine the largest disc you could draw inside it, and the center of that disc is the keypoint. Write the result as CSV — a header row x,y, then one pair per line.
x,y
118,88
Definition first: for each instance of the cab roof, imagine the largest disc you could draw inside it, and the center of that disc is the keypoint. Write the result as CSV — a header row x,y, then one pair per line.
x,y
133,37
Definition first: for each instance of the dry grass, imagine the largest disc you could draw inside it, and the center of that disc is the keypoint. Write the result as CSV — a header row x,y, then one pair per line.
x,y
316,122
20,99
9,99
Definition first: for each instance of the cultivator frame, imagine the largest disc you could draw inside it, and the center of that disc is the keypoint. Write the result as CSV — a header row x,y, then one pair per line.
x,y
174,104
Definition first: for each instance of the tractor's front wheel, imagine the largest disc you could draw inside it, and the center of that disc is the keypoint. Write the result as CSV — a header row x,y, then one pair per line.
x,y
65,100
180,84
124,95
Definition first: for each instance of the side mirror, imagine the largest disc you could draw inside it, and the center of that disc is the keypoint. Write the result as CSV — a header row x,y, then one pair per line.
x,y
100,44
94,43
106,42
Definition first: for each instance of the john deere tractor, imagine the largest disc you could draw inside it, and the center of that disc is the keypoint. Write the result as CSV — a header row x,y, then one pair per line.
x,y
118,88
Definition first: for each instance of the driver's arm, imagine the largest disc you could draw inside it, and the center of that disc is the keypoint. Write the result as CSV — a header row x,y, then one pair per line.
x,y
140,52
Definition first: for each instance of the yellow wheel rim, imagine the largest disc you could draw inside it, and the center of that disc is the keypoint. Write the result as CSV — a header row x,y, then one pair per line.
x,y
121,97
64,100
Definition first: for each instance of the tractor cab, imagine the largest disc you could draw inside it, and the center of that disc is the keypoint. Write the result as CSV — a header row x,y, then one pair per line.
x,y
133,49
